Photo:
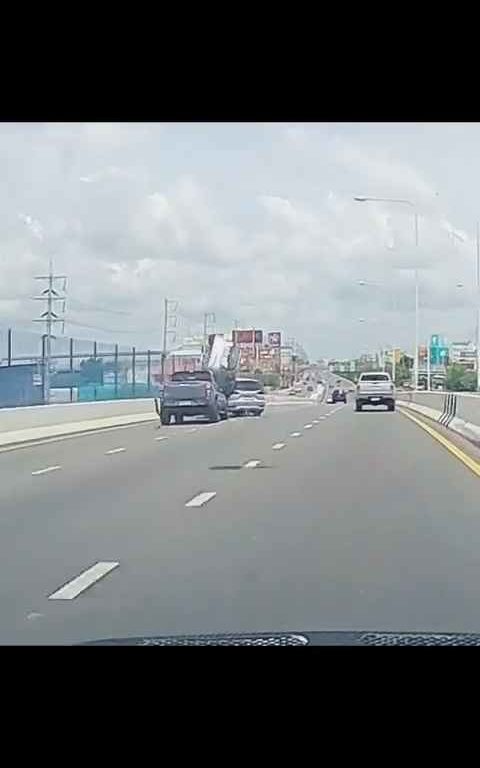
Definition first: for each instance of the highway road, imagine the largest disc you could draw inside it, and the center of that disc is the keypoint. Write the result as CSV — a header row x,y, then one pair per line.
x,y
339,521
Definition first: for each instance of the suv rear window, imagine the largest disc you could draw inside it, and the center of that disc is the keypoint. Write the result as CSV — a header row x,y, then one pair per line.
x,y
192,376
249,385
375,377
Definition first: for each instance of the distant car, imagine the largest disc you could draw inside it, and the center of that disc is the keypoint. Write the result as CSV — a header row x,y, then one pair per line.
x,y
375,388
248,398
339,395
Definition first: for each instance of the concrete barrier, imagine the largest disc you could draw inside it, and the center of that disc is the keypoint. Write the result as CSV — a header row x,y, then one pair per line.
x,y
46,422
459,411
48,415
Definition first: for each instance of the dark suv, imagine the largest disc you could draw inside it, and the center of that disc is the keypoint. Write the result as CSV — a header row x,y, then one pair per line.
x,y
339,395
192,394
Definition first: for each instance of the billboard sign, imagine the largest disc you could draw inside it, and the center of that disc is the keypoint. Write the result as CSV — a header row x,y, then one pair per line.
x,y
438,350
247,337
243,337
274,339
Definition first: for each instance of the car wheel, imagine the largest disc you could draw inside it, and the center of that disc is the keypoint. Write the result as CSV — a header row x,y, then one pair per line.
x,y
391,407
224,416
165,417
358,407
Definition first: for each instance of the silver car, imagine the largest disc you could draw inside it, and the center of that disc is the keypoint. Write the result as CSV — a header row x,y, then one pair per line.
x,y
248,398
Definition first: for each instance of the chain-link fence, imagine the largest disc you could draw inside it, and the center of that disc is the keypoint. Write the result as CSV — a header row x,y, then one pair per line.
x,y
79,370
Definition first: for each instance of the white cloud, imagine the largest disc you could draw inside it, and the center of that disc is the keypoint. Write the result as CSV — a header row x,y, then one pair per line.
x,y
135,212
296,135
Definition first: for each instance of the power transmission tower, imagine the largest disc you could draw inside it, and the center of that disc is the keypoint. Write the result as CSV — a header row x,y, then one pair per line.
x,y
169,326
49,317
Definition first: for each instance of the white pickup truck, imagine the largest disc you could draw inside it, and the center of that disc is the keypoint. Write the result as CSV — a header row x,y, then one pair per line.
x,y
375,388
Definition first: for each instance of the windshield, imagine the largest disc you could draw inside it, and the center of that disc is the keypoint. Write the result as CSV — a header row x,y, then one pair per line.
x,y
184,389
374,377
239,377
194,376
248,386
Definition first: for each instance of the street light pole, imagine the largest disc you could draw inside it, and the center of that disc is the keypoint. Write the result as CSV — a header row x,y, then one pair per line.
x,y
429,365
416,309
362,199
415,361
477,341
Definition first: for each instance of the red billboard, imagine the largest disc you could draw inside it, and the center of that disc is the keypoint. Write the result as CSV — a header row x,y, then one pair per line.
x,y
247,337
243,337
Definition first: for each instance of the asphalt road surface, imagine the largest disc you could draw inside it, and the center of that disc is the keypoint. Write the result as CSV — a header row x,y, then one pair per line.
x,y
340,521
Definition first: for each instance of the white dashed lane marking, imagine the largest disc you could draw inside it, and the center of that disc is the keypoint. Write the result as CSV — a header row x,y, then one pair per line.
x,y
164,437
115,450
252,464
294,434
201,499
47,469
315,421
307,426
278,446
82,582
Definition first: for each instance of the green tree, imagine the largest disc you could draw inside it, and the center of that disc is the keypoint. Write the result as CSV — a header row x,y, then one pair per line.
x,y
468,382
406,361
458,379
402,374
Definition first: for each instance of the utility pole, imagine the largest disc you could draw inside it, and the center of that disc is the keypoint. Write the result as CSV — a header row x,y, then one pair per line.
x,y
208,319
291,342
429,367
49,317
169,325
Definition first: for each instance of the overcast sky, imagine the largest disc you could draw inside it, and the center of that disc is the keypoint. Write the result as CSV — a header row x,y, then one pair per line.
x,y
255,222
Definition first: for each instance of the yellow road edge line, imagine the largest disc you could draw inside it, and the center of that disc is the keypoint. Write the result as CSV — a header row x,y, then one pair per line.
x,y
461,455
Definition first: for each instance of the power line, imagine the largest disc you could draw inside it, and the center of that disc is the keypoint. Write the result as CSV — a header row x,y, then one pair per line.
x,y
83,305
